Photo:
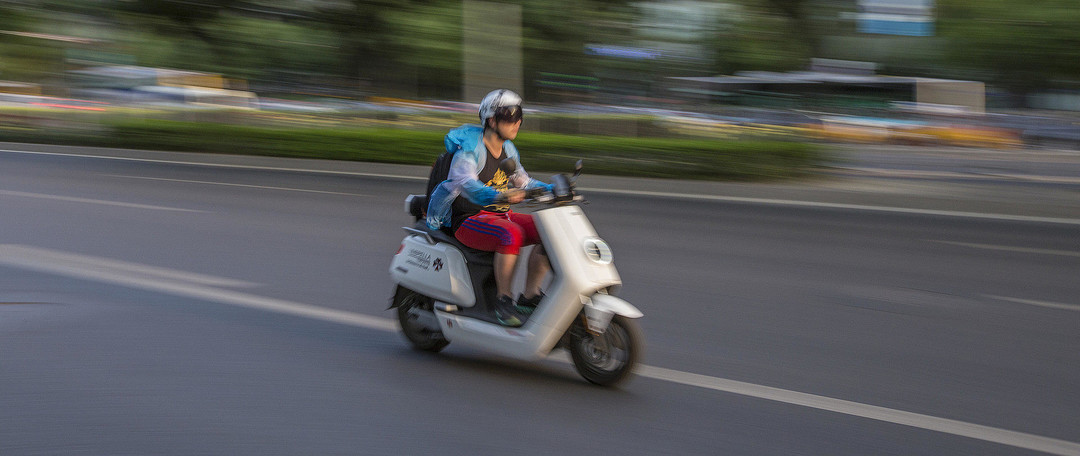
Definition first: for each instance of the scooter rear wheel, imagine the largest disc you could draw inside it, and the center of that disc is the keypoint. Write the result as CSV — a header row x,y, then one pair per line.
x,y
609,358
420,336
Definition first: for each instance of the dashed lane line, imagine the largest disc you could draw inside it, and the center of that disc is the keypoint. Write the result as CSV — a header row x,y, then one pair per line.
x,y
73,199
858,207
1009,248
228,184
1033,302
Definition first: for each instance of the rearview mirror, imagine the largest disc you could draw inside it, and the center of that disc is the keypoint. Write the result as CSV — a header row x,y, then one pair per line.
x,y
508,166
561,187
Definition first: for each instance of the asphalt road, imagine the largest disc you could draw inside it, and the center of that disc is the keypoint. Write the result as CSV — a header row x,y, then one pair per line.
x,y
960,164
149,305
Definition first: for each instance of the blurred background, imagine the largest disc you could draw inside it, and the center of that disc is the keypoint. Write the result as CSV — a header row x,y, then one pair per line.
x,y
1000,73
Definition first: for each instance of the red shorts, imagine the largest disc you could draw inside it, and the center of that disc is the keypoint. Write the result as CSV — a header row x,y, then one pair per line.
x,y
502,232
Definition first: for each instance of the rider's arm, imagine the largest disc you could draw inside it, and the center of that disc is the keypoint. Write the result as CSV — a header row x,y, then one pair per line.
x,y
522,179
462,176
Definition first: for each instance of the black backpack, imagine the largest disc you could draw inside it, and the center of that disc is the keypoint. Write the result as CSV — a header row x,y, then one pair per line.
x,y
439,172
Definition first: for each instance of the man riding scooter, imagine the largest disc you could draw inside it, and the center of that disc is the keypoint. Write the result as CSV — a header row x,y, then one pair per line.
x,y
474,202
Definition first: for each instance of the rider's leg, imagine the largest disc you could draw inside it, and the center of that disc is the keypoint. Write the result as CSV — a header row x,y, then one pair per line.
x,y
538,260
539,266
493,232
504,273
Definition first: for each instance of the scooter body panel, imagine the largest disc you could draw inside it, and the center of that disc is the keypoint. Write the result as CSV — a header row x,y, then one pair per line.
x,y
577,254
438,271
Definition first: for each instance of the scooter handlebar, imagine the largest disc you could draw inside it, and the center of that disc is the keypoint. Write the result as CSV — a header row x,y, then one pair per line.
x,y
562,188
562,192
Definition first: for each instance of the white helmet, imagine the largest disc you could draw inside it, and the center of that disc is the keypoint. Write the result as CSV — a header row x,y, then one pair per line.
x,y
501,103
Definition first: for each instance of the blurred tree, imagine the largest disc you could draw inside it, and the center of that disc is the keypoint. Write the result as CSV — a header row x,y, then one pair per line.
x,y
757,36
192,16
22,57
800,26
555,36
367,41
429,39
13,17
1019,45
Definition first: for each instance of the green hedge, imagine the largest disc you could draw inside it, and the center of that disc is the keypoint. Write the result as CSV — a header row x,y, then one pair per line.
x,y
646,157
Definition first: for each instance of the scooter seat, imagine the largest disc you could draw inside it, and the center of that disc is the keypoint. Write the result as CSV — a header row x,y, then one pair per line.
x,y
472,256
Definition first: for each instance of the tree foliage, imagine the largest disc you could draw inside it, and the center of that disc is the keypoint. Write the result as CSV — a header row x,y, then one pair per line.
x,y
1019,45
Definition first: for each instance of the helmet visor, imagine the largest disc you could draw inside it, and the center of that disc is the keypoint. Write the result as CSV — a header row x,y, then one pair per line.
x,y
508,113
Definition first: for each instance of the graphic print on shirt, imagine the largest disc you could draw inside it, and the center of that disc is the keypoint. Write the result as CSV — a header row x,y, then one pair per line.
x,y
499,182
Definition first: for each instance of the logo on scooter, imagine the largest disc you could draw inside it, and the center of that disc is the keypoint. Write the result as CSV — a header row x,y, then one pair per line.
x,y
598,251
438,264
419,259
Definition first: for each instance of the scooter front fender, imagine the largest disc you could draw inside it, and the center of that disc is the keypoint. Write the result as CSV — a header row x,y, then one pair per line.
x,y
599,308
609,303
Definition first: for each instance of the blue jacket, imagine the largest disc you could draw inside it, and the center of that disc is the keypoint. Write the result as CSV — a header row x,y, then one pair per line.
x,y
467,145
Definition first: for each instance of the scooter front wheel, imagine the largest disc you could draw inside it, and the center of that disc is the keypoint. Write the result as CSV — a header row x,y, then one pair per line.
x,y
607,359
419,335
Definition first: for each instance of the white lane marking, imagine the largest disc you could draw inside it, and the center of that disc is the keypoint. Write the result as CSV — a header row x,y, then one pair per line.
x,y
1032,302
26,258
219,165
1010,248
932,423
23,259
38,257
687,196
265,187
74,199
986,175
859,207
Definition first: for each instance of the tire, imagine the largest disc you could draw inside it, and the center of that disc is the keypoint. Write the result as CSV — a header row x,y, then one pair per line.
x,y
419,336
609,358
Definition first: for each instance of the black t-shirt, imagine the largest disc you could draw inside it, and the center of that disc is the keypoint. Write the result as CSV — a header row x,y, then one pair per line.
x,y
491,176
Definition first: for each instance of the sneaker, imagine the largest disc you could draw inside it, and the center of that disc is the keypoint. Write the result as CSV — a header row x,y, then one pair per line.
x,y
506,312
526,306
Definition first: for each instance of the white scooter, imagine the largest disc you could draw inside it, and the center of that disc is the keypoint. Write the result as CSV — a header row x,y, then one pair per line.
x,y
445,293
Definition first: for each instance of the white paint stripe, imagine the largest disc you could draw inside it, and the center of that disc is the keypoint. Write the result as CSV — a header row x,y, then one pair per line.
x,y
687,196
859,207
944,425
236,185
29,256
1032,302
19,256
1011,248
92,201
24,258
911,173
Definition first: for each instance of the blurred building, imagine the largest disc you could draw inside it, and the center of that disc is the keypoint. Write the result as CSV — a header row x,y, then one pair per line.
x,y
129,84
830,84
896,17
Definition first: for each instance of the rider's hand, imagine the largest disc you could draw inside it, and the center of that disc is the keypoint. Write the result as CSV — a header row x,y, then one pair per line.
x,y
514,195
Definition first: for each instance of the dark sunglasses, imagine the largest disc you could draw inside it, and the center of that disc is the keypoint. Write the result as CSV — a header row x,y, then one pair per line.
x,y
508,113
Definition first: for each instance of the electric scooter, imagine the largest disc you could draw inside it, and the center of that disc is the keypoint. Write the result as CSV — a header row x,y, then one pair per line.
x,y
445,292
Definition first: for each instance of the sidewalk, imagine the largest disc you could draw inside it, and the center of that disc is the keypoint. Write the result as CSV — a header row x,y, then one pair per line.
x,y
837,188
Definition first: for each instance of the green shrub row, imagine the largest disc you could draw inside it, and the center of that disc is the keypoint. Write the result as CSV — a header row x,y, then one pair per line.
x,y
643,157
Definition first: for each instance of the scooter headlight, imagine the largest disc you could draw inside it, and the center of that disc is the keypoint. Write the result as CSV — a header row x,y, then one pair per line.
x,y
598,251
